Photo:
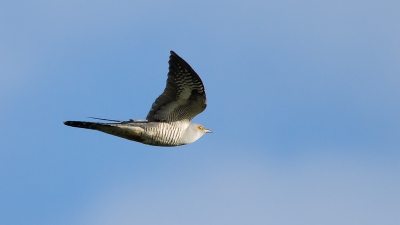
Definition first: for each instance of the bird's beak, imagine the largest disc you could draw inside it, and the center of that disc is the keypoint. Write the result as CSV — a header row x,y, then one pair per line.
x,y
207,131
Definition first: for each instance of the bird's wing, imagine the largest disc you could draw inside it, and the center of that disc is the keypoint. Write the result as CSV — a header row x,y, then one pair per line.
x,y
184,96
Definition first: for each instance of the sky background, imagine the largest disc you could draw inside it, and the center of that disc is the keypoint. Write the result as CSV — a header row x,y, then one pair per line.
x,y
303,99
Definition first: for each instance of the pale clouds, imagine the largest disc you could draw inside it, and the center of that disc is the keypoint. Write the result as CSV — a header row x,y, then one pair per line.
x,y
321,190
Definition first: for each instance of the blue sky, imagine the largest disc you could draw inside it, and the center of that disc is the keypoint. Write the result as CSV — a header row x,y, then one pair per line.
x,y
303,99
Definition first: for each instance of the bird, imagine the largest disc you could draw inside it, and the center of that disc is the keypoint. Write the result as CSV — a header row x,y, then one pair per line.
x,y
168,122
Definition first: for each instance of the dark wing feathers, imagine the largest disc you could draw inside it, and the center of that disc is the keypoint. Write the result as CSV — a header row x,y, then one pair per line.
x,y
184,96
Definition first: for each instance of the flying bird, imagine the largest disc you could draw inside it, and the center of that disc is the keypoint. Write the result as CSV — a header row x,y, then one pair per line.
x,y
168,122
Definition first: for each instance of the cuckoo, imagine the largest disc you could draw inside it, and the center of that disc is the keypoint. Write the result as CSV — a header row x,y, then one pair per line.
x,y
168,122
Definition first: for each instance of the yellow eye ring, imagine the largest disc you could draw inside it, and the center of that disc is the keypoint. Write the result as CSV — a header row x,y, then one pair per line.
x,y
200,127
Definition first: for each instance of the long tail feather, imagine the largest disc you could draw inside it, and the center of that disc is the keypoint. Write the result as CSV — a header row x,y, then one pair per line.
x,y
128,131
80,124
118,121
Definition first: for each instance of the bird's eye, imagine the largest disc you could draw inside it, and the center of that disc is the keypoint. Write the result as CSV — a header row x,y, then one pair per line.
x,y
200,127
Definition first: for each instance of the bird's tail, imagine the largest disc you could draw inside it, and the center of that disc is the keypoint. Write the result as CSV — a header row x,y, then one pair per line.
x,y
81,124
130,131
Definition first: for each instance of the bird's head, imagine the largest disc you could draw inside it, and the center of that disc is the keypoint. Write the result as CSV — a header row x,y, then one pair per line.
x,y
202,129
193,132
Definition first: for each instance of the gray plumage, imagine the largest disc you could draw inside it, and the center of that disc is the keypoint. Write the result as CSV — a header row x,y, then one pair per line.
x,y
168,121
